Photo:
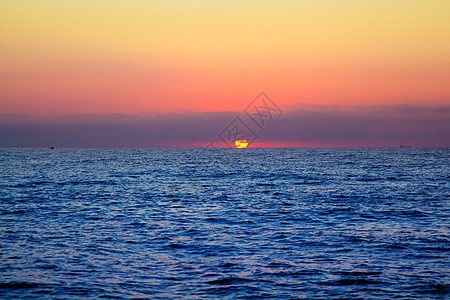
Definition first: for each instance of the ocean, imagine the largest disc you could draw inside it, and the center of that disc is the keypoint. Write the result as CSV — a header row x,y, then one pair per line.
x,y
275,223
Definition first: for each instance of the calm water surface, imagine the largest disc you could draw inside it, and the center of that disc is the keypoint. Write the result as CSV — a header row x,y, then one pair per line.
x,y
225,223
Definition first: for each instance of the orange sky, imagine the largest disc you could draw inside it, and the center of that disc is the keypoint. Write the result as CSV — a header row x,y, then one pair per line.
x,y
138,57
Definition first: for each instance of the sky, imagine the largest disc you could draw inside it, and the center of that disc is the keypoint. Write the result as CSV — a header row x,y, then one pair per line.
x,y
356,61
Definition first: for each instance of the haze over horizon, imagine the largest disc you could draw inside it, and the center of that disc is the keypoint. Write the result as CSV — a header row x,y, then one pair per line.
x,y
319,126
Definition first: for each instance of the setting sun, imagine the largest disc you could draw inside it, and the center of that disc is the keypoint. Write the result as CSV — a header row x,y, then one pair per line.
x,y
241,144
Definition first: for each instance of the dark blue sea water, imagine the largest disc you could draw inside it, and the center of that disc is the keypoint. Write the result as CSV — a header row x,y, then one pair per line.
x,y
225,223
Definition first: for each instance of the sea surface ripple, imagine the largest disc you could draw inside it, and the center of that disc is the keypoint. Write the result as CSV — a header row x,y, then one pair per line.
x,y
225,223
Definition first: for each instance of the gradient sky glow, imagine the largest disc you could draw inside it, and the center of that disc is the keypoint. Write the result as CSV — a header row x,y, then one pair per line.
x,y
158,56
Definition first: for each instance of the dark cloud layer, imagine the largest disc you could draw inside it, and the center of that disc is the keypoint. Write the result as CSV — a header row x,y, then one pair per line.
x,y
366,126
321,126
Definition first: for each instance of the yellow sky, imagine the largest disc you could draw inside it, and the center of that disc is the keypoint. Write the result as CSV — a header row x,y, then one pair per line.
x,y
196,47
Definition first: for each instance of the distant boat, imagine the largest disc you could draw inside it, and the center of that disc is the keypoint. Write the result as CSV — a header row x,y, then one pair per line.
x,y
402,146
51,147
